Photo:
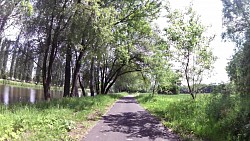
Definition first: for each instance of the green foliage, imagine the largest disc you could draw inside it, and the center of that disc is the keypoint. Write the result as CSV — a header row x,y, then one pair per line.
x,y
186,35
50,120
237,13
168,82
28,6
238,70
226,89
132,82
210,117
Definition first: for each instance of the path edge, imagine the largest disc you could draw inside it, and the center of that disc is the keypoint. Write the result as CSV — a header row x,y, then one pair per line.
x,y
96,122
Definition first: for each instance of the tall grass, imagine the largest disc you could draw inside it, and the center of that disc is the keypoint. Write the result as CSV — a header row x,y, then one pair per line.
x,y
209,117
61,119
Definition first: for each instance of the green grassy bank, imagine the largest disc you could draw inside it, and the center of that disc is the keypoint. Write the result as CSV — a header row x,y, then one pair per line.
x,y
20,84
62,119
26,85
209,117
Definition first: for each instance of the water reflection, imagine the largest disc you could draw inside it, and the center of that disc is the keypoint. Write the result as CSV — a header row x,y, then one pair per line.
x,y
11,94
6,95
32,95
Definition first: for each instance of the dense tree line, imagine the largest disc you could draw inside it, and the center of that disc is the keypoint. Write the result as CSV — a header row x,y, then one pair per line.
x,y
86,44
100,45
237,22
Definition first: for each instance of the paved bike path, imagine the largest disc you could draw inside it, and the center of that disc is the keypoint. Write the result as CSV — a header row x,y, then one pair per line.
x,y
128,121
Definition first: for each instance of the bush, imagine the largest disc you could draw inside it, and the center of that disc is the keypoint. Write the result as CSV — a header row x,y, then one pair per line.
x,y
172,89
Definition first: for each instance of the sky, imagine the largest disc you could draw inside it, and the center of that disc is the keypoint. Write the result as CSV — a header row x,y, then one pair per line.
x,y
210,12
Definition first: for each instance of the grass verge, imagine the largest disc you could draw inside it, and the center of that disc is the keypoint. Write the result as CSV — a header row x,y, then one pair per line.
x,y
61,119
209,117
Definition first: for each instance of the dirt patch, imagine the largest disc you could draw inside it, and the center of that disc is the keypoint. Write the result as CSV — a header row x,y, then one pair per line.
x,y
81,129
94,115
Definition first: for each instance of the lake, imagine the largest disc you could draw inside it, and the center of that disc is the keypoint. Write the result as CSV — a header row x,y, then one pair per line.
x,y
12,94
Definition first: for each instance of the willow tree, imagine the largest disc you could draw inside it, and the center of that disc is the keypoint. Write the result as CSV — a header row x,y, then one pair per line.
x,y
188,39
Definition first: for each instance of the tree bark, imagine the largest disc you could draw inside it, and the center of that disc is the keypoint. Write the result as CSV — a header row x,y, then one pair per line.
x,y
45,71
67,73
38,68
97,81
91,83
76,72
186,75
82,86
12,64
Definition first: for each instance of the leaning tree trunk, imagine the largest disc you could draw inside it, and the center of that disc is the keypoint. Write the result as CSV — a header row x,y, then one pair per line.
x,y
82,86
187,78
76,72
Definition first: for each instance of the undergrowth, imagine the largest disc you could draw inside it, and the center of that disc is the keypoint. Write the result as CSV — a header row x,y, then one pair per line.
x,y
209,117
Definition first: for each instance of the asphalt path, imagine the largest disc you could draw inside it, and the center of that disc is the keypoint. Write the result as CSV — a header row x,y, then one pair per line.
x,y
128,121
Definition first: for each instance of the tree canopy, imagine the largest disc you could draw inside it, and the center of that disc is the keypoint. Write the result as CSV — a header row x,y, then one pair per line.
x,y
96,44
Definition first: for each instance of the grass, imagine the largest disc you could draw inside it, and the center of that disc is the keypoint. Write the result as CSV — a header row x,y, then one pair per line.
x,y
61,119
209,117
25,84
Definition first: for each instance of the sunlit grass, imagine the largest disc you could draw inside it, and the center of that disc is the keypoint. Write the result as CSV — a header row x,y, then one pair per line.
x,y
210,117
62,119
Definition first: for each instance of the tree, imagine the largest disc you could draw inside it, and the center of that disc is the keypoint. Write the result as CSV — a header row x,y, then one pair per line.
x,y
86,43
237,22
46,26
186,35
4,54
125,51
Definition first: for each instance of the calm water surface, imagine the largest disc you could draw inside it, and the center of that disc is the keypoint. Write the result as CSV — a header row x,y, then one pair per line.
x,y
12,94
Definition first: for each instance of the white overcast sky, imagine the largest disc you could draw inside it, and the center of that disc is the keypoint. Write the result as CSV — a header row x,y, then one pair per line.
x,y
211,15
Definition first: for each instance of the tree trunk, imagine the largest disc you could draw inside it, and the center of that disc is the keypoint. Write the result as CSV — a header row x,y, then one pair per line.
x,y
13,58
154,86
76,72
104,70
82,86
108,86
17,64
29,64
97,81
187,78
46,72
76,94
5,59
67,73
12,64
38,69
91,82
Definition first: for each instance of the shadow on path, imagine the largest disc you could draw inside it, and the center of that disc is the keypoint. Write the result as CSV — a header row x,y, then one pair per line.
x,y
127,100
137,124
